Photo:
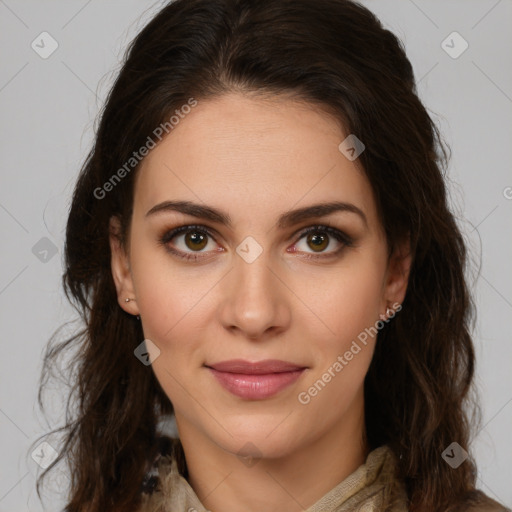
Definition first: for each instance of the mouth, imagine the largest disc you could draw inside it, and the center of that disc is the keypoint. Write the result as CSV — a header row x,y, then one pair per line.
x,y
255,380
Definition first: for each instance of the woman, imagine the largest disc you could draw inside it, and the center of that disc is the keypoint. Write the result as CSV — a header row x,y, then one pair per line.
x,y
260,246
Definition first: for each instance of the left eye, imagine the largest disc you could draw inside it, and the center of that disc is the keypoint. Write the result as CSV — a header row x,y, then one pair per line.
x,y
319,238
195,240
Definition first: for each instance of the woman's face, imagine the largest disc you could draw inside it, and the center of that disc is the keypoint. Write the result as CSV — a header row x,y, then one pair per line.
x,y
247,283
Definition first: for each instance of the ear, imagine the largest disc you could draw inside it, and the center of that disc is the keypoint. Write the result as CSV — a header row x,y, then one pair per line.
x,y
120,266
397,275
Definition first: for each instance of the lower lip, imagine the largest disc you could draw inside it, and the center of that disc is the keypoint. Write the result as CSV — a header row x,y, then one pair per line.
x,y
256,387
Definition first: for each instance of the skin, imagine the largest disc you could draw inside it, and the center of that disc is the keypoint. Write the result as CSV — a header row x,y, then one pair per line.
x,y
256,158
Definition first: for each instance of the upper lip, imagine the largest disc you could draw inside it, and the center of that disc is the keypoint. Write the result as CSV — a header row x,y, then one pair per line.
x,y
256,367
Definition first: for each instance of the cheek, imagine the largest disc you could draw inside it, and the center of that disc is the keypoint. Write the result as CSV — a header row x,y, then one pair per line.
x,y
348,302
350,309
166,295
171,305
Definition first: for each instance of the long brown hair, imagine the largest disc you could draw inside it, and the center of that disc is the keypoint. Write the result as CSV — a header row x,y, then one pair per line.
x,y
335,53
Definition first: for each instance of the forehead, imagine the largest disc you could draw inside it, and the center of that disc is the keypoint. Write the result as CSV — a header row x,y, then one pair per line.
x,y
254,155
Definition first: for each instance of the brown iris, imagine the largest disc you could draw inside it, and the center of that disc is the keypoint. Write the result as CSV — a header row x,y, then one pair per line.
x,y
197,240
319,242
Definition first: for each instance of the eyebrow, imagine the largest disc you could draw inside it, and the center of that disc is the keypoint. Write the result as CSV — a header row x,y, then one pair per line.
x,y
286,220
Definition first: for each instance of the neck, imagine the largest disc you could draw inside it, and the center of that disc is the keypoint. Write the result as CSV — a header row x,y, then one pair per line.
x,y
294,481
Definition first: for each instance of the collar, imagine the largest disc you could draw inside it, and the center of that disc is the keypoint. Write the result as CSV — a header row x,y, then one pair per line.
x,y
372,487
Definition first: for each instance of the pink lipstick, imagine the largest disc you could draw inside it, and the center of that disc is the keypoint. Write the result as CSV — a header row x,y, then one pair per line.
x,y
257,380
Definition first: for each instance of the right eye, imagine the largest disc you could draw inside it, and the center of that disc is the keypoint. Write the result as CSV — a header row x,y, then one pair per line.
x,y
192,239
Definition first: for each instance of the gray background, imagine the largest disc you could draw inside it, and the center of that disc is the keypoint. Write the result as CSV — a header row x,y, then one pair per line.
x,y
48,107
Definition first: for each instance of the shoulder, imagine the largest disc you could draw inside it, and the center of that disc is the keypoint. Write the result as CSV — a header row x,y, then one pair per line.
x,y
485,504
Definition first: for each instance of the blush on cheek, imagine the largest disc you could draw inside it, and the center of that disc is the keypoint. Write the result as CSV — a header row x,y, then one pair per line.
x,y
353,313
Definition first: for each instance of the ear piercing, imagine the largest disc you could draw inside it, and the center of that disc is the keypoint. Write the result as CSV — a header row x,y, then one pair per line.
x,y
392,311
128,299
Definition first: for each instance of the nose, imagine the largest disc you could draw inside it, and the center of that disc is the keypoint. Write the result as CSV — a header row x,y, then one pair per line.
x,y
255,300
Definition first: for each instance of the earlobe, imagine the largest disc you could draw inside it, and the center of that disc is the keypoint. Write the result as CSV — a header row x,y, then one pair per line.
x,y
120,267
398,274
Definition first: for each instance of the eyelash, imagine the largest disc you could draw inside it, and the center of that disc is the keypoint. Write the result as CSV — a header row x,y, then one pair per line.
x,y
341,237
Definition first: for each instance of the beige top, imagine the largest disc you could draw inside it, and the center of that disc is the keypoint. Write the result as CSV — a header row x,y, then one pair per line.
x,y
372,487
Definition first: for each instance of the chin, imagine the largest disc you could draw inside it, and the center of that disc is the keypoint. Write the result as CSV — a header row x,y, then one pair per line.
x,y
259,441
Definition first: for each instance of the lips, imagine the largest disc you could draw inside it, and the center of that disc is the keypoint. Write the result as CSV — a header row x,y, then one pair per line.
x,y
256,368
255,380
